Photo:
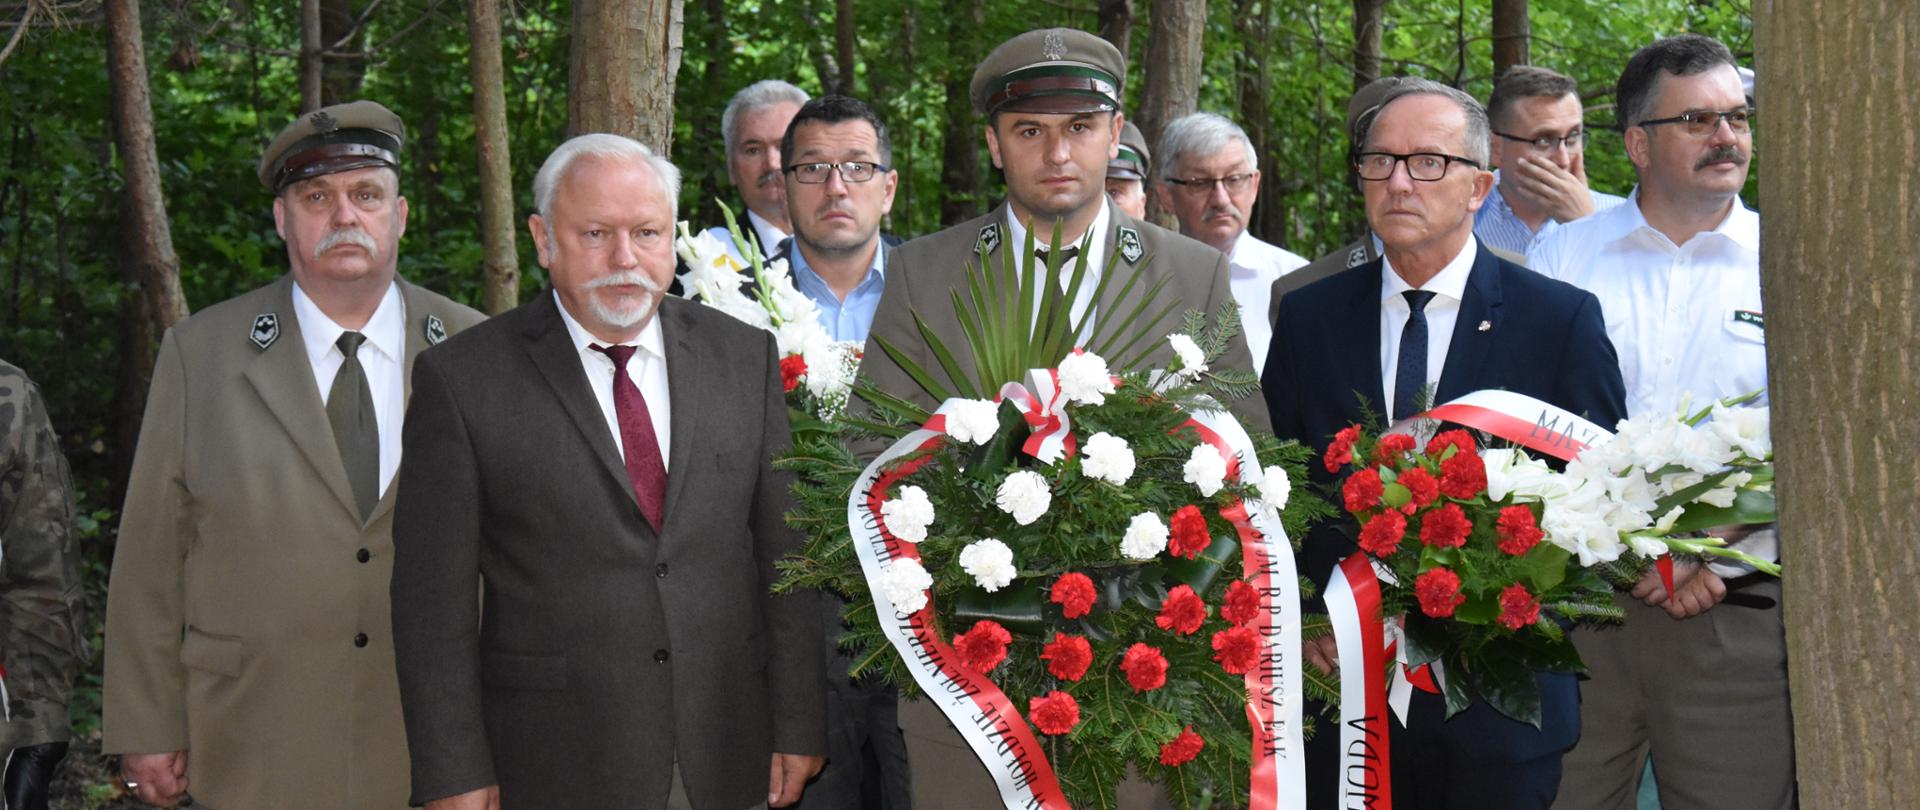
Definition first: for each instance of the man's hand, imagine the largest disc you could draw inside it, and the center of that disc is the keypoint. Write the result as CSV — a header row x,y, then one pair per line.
x,y
157,779
1562,193
1695,589
1322,653
486,798
789,775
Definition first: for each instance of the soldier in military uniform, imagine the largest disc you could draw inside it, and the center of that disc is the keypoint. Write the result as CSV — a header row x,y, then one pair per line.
x,y
1128,171
1052,103
42,632
248,652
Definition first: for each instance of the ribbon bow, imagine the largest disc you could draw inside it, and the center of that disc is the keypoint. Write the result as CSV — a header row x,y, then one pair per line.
x,y
1041,404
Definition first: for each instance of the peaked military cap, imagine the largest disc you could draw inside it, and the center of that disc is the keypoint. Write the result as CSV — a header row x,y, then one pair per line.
x,y
1365,104
1052,70
1134,161
354,135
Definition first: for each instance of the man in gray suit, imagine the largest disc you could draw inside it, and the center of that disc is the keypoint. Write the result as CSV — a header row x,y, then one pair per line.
x,y
598,462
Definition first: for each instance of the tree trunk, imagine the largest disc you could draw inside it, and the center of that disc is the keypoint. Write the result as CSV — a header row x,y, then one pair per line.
x,y
1367,17
148,265
1839,276
625,55
844,20
312,63
1512,34
501,267
340,78
1173,75
961,188
1268,219
1116,26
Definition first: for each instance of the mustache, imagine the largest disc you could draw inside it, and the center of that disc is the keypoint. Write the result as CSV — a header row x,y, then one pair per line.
x,y
1229,209
1722,154
767,179
625,278
346,236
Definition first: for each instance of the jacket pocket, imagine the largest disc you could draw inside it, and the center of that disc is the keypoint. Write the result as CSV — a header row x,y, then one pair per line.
x,y
537,673
220,655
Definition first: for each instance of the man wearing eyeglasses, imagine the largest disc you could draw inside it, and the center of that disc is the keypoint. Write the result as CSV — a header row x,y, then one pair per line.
x,y
1209,179
1539,153
1699,686
1438,310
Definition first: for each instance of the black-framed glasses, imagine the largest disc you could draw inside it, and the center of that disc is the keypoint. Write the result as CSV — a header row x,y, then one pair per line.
x,y
1574,141
1201,186
1422,166
851,171
1700,123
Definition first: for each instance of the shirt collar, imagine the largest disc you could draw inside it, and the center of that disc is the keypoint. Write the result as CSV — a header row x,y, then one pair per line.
x,y
1451,281
1740,226
649,339
1095,257
769,235
1499,201
1246,258
805,275
386,331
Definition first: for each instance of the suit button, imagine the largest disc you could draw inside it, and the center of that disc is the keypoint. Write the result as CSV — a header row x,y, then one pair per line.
x,y
359,639
660,570
660,656
363,555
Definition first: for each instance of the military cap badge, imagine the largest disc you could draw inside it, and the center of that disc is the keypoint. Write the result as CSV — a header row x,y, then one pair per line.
x,y
1130,245
436,330
324,123
266,329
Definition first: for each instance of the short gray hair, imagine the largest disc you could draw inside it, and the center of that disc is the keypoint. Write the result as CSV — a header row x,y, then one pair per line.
x,y
1202,133
1479,145
763,93
605,146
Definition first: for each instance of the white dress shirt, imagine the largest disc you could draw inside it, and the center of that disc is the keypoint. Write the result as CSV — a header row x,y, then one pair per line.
x,y
1254,266
1095,257
647,368
770,237
1449,287
1685,319
382,358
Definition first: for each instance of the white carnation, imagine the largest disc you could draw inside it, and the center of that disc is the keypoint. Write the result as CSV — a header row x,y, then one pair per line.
x,y
905,582
1205,469
1193,362
909,514
990,563
1275,487
1084,378
1024,495
1146,537
829,375
1109,458
974,421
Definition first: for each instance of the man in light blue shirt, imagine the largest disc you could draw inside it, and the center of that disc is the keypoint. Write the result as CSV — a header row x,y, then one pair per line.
x,y
839,186
1539,151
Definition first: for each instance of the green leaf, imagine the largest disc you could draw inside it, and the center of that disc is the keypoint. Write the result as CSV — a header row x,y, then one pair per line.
x,y
1543,567
1507,685
1200,572
913,369
1017,606
945,357
1749,507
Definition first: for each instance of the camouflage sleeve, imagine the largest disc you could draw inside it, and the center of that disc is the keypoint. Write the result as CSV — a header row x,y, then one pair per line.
x,y
42,634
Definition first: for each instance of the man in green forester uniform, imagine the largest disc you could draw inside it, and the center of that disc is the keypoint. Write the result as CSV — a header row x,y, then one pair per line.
x,y
1052,103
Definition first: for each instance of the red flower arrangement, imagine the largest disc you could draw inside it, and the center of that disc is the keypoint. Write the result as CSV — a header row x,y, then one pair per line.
x,y
1439,592
1237,649
1242,604
1054,713
1067,657
1518,530
1422,490
983,647
1445,527
792,368
1189,533
1389,448
1518,608
1381,536
1182,612
1340,452
1181,749
1362,490
1074,593
1463,476
1145,667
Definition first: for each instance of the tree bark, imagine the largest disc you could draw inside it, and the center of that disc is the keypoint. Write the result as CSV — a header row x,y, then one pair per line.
x,y
500,269
1268,219
961,188
1512,35
1367,17
340,79
1842,284
148,265
1173,74
312,63
625,56
844,21
1116,25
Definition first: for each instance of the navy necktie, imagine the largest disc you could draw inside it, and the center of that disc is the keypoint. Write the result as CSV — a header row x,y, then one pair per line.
x,y
1410,376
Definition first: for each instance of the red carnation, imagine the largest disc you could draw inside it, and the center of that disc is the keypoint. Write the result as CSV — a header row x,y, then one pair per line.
x,y
1067,657
1362,490
1145,667
1054,713
1381,536
1182,612
1518,608
1237,649
1518,530
1421,486
1074,593
1390,448
983,647
1439,592
1242,604
1446,527
1341,451
1463,476
1182,749
792,367
1451,438
1189,533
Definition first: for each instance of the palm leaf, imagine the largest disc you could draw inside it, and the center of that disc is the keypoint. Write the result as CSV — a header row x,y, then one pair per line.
x,y
946,359
913,369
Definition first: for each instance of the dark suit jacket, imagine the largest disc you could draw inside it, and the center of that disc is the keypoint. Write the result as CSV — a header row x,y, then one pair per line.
x,y
605,650
1546,339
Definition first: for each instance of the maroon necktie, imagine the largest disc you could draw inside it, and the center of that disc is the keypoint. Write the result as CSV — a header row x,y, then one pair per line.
x,y
642,447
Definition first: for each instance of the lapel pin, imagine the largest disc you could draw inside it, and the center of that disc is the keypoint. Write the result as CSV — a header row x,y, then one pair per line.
x,y
1486,326
436,330
266,329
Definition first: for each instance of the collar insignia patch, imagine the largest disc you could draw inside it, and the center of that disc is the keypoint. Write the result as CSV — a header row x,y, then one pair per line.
x,y
266,329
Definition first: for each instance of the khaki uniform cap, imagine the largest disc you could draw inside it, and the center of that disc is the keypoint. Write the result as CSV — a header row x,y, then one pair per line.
x,y
1365,103
1135,161
1051,70
354,135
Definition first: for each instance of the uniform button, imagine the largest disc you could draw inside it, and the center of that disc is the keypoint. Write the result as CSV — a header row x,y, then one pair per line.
x,y
660,570
359,639
660,656
363,555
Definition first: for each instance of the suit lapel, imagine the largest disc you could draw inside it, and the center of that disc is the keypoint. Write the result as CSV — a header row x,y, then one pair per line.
x,y
1360,331
1467,353
1112,306
283,377
686,390
415,341
552,351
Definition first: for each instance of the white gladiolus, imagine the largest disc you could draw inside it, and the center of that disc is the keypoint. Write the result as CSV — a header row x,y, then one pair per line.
x,y
1108,458
1205,469
1084,379
1024,495
905,582
989,562
974,421
1146,537
1745,429
908,514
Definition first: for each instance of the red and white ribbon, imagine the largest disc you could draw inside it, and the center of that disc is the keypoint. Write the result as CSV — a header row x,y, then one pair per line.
x,y
1523,420
1044,407
1353,607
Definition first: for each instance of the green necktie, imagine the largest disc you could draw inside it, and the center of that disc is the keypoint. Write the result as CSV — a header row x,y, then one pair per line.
x,y
355,429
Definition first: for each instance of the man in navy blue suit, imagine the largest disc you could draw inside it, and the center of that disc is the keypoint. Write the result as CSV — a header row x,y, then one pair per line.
x,y
1437,309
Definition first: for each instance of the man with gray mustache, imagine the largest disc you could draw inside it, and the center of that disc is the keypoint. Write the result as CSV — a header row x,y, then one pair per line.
x,y
248,658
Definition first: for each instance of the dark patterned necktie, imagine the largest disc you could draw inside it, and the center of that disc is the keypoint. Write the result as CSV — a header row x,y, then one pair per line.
x,y
1410,377
637,440
356,429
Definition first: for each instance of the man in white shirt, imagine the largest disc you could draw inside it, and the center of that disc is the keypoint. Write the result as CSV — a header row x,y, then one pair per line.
x,y
1539,153
752,126
1700,688
1209,179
